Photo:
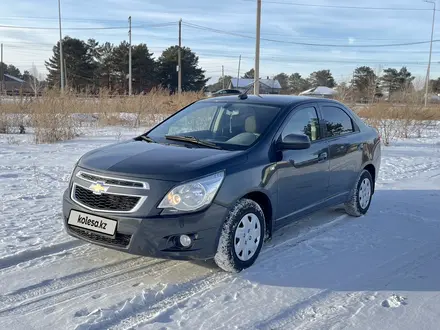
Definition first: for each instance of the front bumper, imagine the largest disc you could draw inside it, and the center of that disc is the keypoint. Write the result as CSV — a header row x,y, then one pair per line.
x,y
155,236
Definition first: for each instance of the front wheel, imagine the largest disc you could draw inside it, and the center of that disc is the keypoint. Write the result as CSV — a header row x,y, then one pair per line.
x,y
361,195
242,237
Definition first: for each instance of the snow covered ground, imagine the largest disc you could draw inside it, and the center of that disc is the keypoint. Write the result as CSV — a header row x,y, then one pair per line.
x,y
328,271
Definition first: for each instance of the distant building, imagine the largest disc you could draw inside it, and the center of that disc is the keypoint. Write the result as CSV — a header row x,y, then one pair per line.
x,y
267,86
15,86
320,91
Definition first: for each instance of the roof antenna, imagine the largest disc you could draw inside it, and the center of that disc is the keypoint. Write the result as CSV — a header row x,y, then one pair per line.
x,y
244,96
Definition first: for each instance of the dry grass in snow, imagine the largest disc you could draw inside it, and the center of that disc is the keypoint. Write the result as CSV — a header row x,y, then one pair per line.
x,y
55,117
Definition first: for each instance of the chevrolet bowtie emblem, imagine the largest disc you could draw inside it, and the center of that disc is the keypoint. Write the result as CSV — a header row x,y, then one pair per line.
x,y
98,188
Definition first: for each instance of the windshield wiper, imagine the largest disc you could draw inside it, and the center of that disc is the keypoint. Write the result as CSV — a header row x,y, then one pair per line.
x,y
192,139
147,138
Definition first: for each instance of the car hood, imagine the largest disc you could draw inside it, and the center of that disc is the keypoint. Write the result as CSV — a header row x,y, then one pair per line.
x,y
158,161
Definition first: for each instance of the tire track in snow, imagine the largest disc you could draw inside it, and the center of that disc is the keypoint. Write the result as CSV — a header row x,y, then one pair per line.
x,y
18,258
310,232
266,254
145,310
50,285
397,168
150,304
73,286
327,307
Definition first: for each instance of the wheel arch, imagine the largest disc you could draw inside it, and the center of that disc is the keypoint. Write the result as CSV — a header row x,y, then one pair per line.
x,y
263,200
372,170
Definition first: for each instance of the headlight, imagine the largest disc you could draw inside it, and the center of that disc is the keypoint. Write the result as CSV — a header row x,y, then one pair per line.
x,y
193,195
73,170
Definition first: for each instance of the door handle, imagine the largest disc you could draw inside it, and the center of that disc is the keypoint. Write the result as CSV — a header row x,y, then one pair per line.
x,y
322,157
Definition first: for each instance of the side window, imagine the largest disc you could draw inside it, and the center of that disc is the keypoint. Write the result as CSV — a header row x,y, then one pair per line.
x,y
304,121
337,121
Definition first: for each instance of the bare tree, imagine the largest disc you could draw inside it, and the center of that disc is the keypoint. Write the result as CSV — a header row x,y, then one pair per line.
x,y
345,93
35,80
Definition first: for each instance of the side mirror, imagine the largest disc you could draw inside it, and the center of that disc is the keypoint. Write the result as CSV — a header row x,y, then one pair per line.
x,y
295,142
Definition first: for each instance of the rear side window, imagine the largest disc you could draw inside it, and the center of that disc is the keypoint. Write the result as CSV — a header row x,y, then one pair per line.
x,y
337,121
304,121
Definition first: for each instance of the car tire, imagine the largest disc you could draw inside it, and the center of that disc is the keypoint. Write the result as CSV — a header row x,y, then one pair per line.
x,y
242,237
361,195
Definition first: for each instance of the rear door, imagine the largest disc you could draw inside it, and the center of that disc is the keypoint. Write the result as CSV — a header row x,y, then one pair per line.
x,y
345,147
303,175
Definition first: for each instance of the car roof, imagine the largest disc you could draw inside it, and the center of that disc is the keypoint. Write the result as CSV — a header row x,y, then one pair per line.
x,y
273,99
227,89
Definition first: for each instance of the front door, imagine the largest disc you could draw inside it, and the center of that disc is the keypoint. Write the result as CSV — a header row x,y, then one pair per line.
x,y
303,175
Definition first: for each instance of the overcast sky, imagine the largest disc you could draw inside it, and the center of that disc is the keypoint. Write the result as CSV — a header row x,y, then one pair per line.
x,y
283,21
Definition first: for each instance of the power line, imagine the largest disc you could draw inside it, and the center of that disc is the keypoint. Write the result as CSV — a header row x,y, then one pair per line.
x,y
173,23
235,34
172,38
35,46
311,60
303,36
342,7
86,28
199,27
230,58
56,18
54,28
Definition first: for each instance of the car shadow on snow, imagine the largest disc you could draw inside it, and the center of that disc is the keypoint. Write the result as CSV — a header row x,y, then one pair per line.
x,y
396,246
331,250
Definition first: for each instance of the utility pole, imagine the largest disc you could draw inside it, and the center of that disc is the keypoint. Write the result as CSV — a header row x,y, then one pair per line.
x,y
65,73
129,58
223,76
61,48
257,51
179,60
1,71
238,75
430,53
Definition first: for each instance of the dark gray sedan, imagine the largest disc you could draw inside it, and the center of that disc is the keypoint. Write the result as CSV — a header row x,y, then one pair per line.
x,y
217,178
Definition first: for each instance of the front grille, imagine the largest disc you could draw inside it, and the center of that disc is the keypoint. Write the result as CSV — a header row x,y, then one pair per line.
x,y
105,202
109,181
120,240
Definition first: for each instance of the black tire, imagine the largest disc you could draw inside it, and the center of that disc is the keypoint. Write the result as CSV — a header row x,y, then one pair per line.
x,y
226,257
356,206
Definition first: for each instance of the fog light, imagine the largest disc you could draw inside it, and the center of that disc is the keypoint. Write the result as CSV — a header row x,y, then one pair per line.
x,y
185,240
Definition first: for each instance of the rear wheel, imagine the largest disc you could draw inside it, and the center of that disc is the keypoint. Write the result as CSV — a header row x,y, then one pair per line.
x,y
242,237
361,195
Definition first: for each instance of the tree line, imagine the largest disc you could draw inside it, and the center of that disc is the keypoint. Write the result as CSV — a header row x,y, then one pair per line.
x,y
90,65
294,83
365,83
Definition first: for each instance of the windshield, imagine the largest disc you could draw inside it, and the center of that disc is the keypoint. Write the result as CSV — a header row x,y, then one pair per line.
x,y
228,125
